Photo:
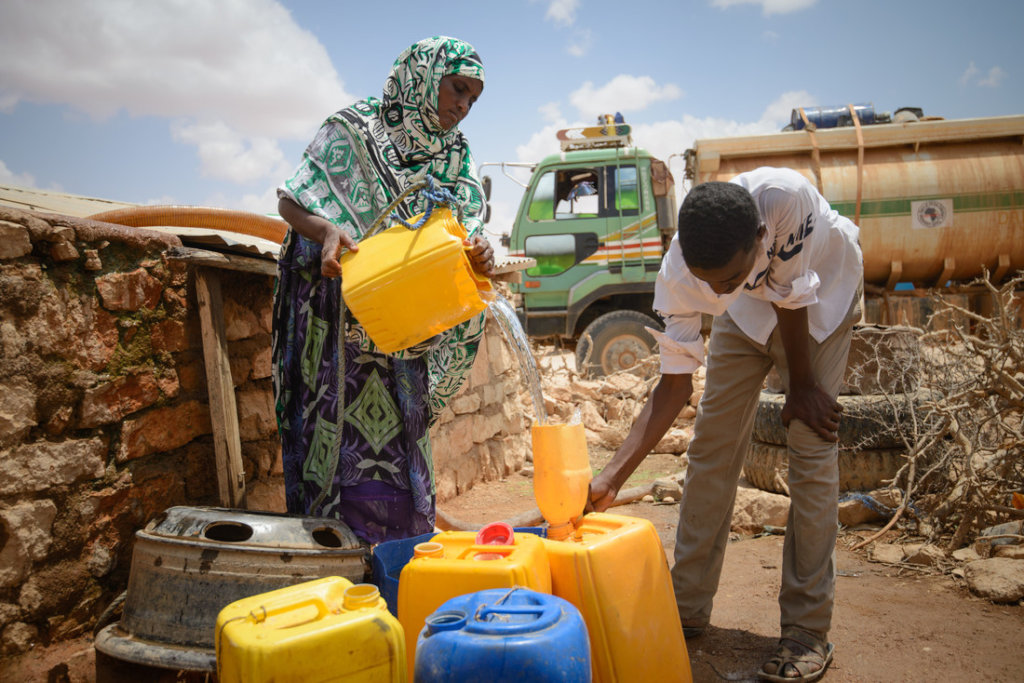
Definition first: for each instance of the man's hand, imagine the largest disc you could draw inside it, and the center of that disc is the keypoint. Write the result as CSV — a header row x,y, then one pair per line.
x,y
806,400
602,493
667,398
815,408
481,255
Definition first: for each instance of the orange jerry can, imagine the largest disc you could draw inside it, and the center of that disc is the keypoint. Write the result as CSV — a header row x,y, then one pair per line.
x,y
613,569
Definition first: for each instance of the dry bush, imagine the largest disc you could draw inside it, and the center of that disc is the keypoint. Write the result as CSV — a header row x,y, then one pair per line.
x,y
964,443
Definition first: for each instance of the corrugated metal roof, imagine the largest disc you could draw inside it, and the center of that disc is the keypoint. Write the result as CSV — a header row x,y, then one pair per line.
x,y
32,199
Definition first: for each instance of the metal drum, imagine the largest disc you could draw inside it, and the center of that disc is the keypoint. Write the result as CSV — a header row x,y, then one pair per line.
x,y
191,562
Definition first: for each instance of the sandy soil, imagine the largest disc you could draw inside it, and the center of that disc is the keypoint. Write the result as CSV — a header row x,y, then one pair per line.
x,y
892,623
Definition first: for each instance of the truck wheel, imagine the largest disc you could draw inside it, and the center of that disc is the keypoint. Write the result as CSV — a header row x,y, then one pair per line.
x,y
863,423
767,467
615,341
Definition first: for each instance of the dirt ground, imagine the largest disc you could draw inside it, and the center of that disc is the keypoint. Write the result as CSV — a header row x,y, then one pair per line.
x,y
892,623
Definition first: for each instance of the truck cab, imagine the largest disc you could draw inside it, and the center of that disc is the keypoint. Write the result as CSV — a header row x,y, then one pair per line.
x,y
597,219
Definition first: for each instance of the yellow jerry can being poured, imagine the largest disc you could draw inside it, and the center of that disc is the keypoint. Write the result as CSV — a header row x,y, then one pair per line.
x,y
405,286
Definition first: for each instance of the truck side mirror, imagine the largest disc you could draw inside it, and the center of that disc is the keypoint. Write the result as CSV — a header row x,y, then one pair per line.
x,y
486,182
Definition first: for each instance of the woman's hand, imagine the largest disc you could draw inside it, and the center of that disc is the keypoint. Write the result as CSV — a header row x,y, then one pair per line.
x,y
321,230
334,240
481,255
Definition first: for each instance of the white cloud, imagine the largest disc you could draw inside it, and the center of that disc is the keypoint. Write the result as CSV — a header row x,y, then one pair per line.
x,y
673,137
227,155
12,179
562,11
7,101
768,6
622,93
994,78
541,143
580,44
264,202
161,200
243,61
242,67
779,112
968,74
551,111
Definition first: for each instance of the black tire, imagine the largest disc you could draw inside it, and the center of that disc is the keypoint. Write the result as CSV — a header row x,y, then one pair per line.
x,y
767,467
618,340
862,425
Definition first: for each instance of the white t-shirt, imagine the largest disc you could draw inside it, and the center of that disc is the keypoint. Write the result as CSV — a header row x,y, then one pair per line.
x,y
810,258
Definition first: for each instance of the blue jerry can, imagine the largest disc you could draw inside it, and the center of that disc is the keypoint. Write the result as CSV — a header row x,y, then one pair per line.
x,y
504,635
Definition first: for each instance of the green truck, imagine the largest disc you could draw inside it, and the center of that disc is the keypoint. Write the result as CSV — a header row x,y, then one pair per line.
x,y
597,219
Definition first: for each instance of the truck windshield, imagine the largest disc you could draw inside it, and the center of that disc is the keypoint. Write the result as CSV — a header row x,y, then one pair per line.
x,y
575,193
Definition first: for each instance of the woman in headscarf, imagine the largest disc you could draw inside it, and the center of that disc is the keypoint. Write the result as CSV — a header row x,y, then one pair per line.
x,y
374,471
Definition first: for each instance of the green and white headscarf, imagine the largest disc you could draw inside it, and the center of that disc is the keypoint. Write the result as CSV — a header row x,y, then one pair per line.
x,y
368,153
411,92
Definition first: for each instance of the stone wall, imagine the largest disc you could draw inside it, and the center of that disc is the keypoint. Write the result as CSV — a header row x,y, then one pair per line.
x,y
104,415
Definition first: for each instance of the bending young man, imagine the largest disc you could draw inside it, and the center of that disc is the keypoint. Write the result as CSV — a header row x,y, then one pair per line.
x,y
781,272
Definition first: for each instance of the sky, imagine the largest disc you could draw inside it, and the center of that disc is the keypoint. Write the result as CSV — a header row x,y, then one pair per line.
x,y
211,102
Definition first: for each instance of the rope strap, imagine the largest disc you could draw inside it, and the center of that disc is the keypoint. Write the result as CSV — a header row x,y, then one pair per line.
x,y
860,162
435,195
815,154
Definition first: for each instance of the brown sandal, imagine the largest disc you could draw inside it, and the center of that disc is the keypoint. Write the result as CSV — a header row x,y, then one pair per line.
x,y
799,658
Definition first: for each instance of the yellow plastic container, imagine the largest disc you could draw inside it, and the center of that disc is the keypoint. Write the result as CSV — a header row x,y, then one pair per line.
x,y
617,576
561,475
324,630
461,566
404,286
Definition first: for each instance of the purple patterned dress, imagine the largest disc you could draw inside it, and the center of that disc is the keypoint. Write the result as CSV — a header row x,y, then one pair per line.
x,y
375,472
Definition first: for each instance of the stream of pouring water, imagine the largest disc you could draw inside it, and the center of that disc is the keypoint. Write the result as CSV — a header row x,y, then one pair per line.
x,y
516,337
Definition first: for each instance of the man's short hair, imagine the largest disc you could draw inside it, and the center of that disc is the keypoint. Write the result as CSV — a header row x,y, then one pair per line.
x,y
716,221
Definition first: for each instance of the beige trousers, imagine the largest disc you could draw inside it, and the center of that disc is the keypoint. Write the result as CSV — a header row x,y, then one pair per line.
x,y
736,370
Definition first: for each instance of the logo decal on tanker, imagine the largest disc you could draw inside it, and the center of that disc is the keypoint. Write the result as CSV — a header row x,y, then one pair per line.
x,y
932,213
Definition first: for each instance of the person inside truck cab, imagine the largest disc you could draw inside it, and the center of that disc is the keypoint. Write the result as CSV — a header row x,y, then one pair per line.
x,y
781,272
577,196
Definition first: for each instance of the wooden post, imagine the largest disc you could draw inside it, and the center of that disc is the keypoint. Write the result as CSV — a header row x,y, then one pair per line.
x,y
224,416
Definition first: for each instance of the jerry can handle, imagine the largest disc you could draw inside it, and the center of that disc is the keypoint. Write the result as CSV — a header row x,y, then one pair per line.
x,y
546,616
290,611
